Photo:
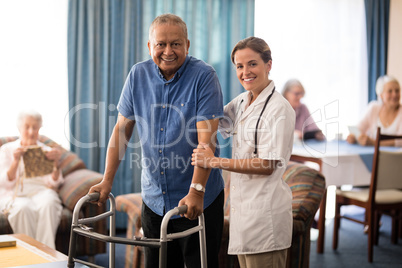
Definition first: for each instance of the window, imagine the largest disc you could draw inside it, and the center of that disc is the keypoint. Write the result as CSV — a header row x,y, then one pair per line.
x,y
323,44
33,65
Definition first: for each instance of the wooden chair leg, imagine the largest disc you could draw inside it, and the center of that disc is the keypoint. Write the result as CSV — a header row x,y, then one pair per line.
x,y
371,219
366,219
400,223
394,232
138,257
377,227
337,220
321,224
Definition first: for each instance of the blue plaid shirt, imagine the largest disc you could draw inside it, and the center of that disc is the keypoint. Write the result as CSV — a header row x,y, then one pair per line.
x,y
166,113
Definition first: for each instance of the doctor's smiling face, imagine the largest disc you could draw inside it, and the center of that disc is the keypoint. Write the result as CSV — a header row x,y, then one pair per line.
x,y
251,70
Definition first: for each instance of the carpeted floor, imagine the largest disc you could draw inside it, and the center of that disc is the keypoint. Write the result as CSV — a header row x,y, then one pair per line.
x,y
351,252
352,247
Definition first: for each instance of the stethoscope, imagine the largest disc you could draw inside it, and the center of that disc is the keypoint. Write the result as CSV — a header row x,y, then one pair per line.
x,y
258,121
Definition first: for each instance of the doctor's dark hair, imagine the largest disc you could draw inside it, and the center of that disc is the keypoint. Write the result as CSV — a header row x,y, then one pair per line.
x,y
256,44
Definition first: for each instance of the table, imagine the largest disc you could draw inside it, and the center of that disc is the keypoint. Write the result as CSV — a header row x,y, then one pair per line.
x,y
31,252
340,163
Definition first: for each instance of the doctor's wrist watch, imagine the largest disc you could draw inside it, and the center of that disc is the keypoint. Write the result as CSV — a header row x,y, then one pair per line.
x,y
198,187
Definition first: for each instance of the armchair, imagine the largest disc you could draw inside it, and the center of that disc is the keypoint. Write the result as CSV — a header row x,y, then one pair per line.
x,y
78,180
308,187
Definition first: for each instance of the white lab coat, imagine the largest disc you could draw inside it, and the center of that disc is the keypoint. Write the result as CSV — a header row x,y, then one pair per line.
x,y
261,205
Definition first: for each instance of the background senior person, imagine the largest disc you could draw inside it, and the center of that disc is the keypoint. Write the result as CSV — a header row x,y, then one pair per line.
x,y
32,204
305,127
385,113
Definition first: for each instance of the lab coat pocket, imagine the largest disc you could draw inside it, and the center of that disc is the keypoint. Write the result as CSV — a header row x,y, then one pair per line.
x,y
256,227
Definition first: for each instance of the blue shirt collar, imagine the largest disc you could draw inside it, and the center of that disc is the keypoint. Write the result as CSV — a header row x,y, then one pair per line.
x,y
178,73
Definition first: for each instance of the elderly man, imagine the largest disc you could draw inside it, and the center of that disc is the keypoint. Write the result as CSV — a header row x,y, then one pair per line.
x,y
176,101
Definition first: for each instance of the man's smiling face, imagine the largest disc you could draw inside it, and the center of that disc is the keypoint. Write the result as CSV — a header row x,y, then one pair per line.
x,y
168,48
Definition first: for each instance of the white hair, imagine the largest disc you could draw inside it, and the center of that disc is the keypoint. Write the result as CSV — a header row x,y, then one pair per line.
x,y
28,113
381,81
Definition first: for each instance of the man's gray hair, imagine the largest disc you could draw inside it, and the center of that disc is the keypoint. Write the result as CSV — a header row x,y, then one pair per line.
x,y
168,19
28,113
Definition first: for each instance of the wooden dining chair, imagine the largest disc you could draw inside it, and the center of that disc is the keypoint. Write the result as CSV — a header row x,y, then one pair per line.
x,y
384,196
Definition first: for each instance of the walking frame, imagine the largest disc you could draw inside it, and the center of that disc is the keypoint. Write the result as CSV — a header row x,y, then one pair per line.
x,y
78,227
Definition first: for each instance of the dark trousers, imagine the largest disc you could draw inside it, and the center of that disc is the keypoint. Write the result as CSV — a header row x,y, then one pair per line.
x,y
185,250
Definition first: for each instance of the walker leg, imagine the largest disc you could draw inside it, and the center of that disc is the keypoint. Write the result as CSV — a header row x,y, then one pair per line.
x,y
71,249
203,242
162,255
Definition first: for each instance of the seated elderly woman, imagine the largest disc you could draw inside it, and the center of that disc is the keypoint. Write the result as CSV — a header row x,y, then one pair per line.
x,y
30,200
385,113
305,127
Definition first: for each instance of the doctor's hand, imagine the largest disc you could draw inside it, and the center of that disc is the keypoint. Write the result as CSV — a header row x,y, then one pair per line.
x,y
195,204
203,156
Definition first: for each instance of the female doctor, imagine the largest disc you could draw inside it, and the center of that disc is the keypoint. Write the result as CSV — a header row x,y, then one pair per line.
x,y
261,122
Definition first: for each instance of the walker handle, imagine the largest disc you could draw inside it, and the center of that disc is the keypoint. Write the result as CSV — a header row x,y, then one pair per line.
x,y
93,196
182,209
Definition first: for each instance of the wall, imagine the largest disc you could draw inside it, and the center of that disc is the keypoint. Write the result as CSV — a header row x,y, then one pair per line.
x,y
395,40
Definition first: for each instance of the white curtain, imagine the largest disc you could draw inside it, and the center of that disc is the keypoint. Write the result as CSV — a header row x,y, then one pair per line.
x,y
323,44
